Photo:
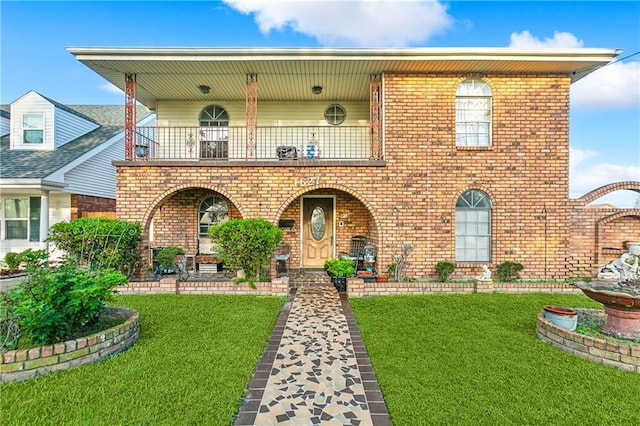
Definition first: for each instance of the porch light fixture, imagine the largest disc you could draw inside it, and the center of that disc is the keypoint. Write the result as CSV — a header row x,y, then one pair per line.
x,y
204,89
316,90
141,150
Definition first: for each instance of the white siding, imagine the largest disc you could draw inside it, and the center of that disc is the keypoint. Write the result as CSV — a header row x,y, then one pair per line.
x,y
290,124
174,113
4,126
68,126
96,176
31,103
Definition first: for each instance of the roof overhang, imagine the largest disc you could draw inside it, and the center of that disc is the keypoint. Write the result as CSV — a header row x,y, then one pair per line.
x,y
24,184
288,74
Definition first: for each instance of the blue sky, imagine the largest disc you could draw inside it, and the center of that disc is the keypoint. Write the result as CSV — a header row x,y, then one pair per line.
x,y
605,107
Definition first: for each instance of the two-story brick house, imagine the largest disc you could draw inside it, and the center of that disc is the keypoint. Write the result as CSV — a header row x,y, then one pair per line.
x,y
462,153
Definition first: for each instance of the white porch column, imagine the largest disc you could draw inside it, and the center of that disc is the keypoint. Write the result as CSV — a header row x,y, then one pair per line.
x,y
44,218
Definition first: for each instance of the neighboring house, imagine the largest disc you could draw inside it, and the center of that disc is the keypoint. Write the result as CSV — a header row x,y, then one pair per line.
x,y
462,153
56,165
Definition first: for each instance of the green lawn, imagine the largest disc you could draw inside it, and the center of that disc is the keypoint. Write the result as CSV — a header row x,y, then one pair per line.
x,y
475,359
194,358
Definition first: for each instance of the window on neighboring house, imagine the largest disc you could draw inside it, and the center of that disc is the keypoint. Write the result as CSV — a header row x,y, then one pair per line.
x,y
33,128
335,114
214,136
473,113
473,227
212,211
21,218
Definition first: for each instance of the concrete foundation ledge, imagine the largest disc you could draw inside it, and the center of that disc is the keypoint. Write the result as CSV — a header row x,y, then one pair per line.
x,y
24,364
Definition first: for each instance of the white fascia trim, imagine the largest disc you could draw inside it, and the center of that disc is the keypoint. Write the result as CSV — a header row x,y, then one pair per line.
x,y
221,54
41,184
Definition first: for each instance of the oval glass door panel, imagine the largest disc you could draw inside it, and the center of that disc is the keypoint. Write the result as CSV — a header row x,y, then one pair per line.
x,y
318,223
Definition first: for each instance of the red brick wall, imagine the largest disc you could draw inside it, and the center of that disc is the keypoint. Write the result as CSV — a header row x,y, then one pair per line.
x,y
410,199
598,236
89,206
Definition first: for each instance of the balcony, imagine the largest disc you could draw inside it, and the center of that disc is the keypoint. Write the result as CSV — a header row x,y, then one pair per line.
x,y
275,143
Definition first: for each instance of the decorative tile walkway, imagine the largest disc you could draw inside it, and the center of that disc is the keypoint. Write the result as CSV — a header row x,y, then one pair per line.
x,y
316,369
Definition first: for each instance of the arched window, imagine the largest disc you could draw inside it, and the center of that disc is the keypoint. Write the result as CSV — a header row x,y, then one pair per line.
x,y
214,132
473,113
214,116
212,211
473,227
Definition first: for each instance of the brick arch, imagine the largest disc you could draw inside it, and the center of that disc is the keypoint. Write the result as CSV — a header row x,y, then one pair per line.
x,y
602,222
467,76
342,188
611,218
358,196
471,188
607,189
153,207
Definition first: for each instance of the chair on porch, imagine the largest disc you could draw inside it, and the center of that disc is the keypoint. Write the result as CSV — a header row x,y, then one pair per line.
x,y
356,251
283,255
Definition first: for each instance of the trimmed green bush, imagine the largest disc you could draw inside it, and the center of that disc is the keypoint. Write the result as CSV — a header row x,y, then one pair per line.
x,y
339,267
509,271
51,303
12,261
99,243
166,257
444,271
246,244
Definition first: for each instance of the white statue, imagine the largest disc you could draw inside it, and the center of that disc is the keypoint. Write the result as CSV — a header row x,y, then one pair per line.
x,y
486,274
625,268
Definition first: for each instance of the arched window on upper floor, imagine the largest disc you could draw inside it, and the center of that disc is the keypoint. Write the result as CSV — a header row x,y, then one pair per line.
x,y
473,113
473,227
214,132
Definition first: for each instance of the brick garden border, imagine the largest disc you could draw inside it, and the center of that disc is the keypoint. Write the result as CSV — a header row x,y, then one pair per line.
x,y
625,356
26,364
356,287
275,287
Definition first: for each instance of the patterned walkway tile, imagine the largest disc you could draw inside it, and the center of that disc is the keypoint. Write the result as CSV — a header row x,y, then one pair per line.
x,y
314,368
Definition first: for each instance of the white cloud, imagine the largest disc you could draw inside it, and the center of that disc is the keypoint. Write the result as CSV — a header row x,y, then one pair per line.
x,y
577,156
370,23
585,177
525,40
111,88
616,85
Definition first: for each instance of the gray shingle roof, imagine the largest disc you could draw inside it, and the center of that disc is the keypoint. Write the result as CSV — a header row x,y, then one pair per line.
x,y
16,164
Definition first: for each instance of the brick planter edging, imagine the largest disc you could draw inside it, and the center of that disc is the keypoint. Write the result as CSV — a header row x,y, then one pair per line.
x,y
625,356
26,364
275,287
356,287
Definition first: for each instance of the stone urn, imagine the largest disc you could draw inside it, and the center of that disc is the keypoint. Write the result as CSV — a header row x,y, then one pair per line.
x,y
617,287
622,309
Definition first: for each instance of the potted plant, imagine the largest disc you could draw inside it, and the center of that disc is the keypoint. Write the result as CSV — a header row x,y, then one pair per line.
x,y
166,259
339,270
391,271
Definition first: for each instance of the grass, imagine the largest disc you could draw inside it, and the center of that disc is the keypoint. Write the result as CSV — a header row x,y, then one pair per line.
x,y
193,360
475,359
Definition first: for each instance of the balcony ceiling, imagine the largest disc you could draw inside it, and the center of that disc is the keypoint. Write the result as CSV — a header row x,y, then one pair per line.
x,y
289,74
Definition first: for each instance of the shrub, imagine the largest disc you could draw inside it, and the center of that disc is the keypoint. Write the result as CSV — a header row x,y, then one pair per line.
x,y
99,242
339,267
166,257
12,261
509,271
52,303
246,244
444,271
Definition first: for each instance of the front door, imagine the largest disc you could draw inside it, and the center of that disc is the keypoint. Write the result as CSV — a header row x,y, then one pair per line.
x,y
317,231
